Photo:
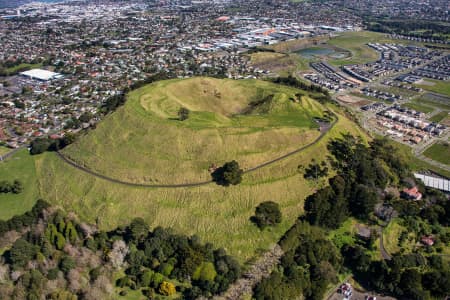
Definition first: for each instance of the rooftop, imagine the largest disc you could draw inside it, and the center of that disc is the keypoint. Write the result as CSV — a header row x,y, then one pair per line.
x,y
40,74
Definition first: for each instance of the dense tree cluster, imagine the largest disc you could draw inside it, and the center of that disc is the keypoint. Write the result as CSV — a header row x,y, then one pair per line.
x,y
311,260
29,218
408,276
417,28
41,145
158,256
315,170
229,173
267,214
317,92
363,171
14,187
60,257
310,263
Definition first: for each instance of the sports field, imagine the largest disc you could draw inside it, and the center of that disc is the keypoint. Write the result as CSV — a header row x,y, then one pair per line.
x,y
439,152
437,86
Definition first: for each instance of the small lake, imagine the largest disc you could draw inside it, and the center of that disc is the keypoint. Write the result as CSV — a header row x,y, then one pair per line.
x,y
314,52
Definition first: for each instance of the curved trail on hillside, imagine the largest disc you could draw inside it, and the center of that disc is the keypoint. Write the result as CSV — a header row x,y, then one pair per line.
x,y
196,184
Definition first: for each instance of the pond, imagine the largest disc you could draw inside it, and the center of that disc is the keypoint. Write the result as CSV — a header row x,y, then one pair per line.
x,y
314,52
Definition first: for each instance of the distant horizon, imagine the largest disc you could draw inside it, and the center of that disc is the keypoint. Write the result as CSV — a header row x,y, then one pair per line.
x,y
17,3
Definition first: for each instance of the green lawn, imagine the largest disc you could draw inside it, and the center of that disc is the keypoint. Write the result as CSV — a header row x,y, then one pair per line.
x,y
391,236
344,235
416,164
437,86
20,68
439,152
424,100
19,166
419,107
439,116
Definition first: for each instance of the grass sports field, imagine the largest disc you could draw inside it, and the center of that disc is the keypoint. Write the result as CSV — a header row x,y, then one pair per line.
x,y
419,107
437,86
217,214
416,164
439,117
439,152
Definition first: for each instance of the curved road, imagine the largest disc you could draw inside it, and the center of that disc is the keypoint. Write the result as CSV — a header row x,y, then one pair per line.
x,y
195,184
9,154
384,253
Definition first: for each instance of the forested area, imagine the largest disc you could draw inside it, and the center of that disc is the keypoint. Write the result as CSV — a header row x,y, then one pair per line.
x,y
365,177
417,28
49,253
317,92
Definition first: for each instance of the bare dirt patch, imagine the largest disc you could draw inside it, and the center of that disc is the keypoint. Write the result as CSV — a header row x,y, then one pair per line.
x,y
353,100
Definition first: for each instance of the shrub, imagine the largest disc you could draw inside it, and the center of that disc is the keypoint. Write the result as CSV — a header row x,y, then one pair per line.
x,y
267,214
167,288
229,173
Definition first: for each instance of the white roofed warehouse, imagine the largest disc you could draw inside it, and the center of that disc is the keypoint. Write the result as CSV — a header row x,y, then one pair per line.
x,y
40,74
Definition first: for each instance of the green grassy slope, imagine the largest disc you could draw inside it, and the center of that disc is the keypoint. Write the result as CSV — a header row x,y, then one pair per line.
x,y
160,149
217,214
21,167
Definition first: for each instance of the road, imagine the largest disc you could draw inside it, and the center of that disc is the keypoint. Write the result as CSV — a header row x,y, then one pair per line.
x,y
358,295
9,154
324,131
384,253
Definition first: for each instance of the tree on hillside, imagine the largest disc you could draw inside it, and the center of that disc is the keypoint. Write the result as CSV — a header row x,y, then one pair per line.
x,y
183,114
138,229
267,214
229,173
316,170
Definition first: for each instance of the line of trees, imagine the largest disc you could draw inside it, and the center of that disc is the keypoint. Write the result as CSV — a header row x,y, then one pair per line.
x,y
317,92
41,145
417,28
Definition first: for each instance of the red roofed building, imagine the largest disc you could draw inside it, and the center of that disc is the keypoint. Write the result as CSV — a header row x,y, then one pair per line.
x,y
427,240
412,193
223,18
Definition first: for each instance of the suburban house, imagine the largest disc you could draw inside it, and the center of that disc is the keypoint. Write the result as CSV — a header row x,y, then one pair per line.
x,y
427,240
412,193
